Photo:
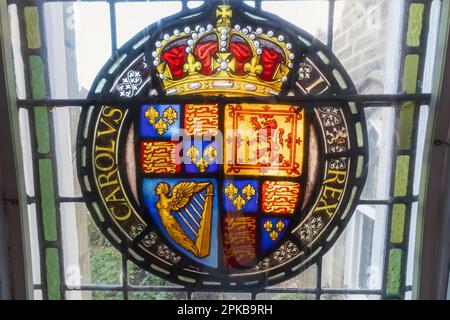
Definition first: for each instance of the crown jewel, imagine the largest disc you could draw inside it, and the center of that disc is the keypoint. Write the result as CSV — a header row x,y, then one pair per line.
x,y
223,59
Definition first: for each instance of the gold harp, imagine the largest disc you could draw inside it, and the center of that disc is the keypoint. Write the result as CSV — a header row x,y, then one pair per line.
x,y
188,211
202,243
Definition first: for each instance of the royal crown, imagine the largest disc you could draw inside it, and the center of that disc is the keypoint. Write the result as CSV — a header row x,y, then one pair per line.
x,y
223,59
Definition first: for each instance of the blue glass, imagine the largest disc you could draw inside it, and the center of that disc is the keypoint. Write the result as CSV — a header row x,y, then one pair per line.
x,y
272,230
151,199
200,157
240,195
160,121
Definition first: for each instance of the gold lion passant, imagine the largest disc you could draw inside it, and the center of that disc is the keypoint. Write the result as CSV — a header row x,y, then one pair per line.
x,y
183,196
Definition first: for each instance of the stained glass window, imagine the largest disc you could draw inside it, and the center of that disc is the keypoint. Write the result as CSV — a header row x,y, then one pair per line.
x,y
223,148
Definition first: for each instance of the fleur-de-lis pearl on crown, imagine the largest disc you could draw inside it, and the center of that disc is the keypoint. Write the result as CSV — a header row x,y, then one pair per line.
x,y
288,46
245,31
194,36
291,56
280,37
209,27
187,29
270,33
237,27
259,31
158,44
166,37
176,32
190,42
252,37
201,30
259,51
223,31
197,27
154,54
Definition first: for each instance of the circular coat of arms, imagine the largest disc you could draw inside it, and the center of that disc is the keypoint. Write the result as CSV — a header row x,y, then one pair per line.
x,y
210,159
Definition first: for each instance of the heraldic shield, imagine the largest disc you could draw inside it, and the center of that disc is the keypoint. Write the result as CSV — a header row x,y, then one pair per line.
x,y
218,172
242,217
260,160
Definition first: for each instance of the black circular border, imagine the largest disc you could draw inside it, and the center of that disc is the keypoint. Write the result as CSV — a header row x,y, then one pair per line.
x,y
309,47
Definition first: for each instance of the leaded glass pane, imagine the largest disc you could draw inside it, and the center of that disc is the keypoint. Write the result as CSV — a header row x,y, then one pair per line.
x,y
386,47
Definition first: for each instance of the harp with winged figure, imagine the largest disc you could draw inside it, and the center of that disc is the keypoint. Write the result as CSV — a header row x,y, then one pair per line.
x,y
186,214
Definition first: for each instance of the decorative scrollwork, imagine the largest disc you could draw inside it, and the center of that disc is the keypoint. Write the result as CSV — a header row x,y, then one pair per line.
x,y
330,116
285,252
166,253
304,72
311,229
338,164
129,85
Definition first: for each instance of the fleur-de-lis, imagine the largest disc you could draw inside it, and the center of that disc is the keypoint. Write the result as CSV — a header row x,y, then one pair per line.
x,y
161,126
280,225
273,235
268,225
274,231
240,199
170,114
248,191
239,202
194,154
210,152
253,67
231,191
152,114
191,66
202,165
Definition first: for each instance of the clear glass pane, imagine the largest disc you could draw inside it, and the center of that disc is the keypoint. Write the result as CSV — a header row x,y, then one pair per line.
x,y
76,53
420,147
411,245
367,41
141,278
93,295
306,279
220,296
65,128
25,141
131,18
37,294
432,45
285,296
356,260
16,48
380,131
34,240
349,297
89,258
157,295
311,16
